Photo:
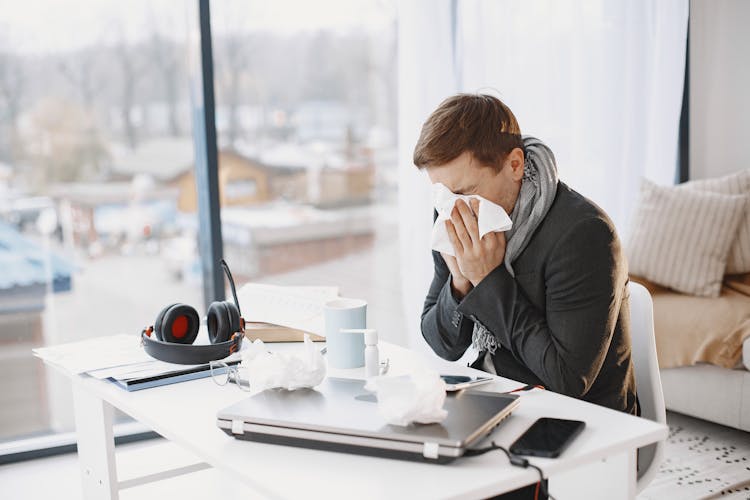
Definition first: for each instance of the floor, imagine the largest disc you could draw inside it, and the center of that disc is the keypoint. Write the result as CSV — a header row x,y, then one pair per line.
x,y
702,460
691,461
59,478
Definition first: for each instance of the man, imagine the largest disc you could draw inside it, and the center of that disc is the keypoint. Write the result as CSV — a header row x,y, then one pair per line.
x,y
545,302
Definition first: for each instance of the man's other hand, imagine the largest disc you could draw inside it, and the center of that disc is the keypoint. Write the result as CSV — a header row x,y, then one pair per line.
x,y
475,257
459,284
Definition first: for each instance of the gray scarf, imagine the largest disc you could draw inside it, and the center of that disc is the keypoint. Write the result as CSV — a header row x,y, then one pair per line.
x,y
538,189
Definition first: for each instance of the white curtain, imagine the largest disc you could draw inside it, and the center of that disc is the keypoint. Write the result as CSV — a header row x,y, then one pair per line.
x,y
426,76
600,81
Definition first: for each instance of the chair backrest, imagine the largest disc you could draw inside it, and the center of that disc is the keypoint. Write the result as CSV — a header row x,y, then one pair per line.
x,y
648,380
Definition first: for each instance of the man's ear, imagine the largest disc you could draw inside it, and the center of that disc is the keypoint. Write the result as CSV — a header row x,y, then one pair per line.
x,y
514,162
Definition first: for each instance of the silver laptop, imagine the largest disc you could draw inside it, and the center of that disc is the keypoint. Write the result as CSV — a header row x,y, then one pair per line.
x,y
340,415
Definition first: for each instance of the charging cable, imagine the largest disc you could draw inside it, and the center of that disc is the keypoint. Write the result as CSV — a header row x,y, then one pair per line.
x,y
517,461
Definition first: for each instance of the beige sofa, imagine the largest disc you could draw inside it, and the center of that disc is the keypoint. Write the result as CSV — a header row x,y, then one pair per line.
x,y
703,345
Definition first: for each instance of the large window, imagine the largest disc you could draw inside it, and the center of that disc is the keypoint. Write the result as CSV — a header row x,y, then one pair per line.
x,y
306,116
95,145
98,210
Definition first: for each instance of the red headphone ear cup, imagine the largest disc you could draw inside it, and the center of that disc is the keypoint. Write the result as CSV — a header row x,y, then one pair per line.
x,y
180,324
159,319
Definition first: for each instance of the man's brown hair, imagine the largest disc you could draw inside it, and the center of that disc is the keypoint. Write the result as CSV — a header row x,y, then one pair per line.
x,y
478,123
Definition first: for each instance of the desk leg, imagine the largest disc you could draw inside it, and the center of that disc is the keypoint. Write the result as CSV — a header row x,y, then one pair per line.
x,y
96,445
613,478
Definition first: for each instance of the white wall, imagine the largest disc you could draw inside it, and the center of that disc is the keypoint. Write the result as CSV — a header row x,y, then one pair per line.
x,y
719,87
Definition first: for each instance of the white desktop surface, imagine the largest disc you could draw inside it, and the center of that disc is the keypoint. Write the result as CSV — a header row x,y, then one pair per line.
x,y
185,413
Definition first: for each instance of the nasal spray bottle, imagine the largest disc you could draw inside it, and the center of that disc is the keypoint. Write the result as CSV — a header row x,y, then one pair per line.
x,y
372,356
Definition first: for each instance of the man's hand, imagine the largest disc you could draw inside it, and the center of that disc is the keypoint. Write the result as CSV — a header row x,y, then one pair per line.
x,y
460,285
475,257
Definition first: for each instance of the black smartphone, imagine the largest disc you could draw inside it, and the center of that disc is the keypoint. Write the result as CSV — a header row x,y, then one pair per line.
x,y
457,382
547,437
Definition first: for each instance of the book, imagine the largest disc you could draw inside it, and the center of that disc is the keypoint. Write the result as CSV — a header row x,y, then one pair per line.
x,y
268,332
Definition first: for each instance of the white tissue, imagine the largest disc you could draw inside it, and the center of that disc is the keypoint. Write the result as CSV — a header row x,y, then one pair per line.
x,y
415,398
491,217
266,370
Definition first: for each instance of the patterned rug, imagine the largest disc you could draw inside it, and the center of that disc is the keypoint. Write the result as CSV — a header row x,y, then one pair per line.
x,y
702,460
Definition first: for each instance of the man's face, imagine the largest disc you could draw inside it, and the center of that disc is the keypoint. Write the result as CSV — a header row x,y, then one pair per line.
x,y
465,175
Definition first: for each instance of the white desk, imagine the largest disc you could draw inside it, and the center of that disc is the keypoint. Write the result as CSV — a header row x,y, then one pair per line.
x,y
600,463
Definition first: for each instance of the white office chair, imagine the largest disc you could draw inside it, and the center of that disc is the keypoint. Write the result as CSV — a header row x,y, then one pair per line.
x,y
648,380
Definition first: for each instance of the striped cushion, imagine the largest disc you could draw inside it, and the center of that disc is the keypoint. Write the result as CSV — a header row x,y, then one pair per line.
x,y
739,183
681,237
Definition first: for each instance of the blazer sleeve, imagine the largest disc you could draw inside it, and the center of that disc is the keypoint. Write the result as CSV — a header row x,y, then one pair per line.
x,y
566,344
444,328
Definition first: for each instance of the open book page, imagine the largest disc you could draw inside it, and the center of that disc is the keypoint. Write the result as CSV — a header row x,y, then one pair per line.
x,y
299,307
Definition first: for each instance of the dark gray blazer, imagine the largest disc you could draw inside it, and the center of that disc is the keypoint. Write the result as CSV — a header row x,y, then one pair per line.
x,y
563,321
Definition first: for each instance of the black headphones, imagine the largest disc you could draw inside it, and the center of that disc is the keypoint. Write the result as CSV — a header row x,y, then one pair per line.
x,y
177,325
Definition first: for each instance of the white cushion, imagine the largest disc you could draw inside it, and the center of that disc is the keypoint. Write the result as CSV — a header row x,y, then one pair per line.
x,y
738,261
709,392
681,237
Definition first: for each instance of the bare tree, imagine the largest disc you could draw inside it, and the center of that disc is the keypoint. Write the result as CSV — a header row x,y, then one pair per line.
x,y
12,87
68,153
167,63
129,76
234,59
79,71
234,50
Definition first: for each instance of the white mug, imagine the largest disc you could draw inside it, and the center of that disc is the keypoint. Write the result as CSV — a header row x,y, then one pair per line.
x,y
345,349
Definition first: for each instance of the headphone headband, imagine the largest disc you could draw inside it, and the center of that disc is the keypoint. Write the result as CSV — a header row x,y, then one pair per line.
x,y
187,354
231,284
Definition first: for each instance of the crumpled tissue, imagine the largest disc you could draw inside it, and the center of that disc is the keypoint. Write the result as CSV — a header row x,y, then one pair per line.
x,y
491,217
267,370
417,398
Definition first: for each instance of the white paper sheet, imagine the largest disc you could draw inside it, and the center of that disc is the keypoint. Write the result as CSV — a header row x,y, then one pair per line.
x,y
119,357
299,307
96,353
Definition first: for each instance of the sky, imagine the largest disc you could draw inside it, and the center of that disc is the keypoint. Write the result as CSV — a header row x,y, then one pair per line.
x,y
47,26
